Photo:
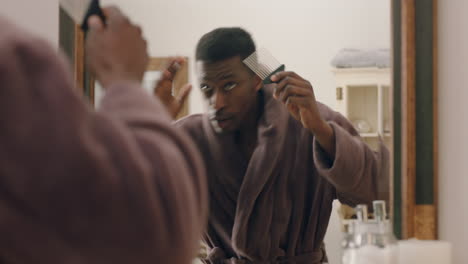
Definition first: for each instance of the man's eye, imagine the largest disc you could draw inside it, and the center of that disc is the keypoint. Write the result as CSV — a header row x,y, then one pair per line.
x,y
205,88
230,86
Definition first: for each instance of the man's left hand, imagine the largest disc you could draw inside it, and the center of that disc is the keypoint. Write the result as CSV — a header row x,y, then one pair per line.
x,y
163,89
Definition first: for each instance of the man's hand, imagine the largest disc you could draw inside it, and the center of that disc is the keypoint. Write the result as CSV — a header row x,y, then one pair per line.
x,y
298,96
117,51
163,89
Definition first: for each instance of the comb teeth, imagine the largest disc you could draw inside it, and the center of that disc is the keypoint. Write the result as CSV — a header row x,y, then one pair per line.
x,y
262,63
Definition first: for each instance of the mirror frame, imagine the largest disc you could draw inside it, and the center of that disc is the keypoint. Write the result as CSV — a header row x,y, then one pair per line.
x,y
415,165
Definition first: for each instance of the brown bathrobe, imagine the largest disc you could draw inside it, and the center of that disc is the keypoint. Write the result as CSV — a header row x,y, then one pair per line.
x,y
117,186
275,207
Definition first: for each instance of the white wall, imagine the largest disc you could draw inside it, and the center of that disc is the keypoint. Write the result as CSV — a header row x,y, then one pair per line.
x,y
303,34
38,16
453,126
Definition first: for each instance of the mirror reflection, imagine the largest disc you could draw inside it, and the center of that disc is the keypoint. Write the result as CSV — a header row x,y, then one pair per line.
x,y
286,161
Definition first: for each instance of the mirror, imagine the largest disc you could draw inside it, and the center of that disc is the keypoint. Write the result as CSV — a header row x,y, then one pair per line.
x,y
307,37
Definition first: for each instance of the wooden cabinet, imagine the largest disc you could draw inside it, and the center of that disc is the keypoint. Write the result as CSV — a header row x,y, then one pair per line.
x,y
363,96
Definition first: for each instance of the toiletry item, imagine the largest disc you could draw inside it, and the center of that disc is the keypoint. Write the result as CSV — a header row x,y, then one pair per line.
x,y
380,212
370,241
361,213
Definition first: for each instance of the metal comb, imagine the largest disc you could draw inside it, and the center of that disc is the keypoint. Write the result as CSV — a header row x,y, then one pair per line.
x,y
263,64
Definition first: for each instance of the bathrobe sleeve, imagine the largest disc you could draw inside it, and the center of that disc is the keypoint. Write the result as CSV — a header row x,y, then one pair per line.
x,y
118,185
358,173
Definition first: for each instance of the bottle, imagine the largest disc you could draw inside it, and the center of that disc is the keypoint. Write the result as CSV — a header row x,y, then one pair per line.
x,y
350,242
361,213
380,212
382,234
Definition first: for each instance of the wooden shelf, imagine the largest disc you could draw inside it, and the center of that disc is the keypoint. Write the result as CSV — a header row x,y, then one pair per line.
x,y
366,135
369,135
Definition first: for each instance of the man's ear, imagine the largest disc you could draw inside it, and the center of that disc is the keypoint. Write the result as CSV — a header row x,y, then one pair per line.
x,y
259,83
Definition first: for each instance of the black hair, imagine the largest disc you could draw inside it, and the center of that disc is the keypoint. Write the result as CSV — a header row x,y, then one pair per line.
x,y
224,43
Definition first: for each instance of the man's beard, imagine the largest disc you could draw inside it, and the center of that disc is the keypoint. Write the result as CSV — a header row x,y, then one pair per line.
x,y
213,121
214,124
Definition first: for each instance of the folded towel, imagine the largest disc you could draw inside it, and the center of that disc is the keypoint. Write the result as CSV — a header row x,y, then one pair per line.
x,y
357,58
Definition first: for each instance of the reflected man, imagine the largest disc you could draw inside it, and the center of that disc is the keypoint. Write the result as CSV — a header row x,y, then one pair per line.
x,y
275,157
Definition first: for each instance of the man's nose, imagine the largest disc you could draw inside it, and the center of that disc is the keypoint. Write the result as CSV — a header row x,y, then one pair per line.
x,y
218,100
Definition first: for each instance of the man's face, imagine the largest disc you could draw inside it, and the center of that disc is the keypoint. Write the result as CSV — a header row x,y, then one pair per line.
x,y
230,89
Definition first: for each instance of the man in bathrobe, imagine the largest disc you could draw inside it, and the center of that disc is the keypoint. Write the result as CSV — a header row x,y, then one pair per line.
x,y
275,157
115,186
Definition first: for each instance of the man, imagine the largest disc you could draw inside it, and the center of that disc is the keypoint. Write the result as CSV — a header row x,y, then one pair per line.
x,y
119,185
275,157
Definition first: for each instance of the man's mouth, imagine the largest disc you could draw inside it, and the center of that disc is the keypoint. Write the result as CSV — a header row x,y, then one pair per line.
x,y
223,122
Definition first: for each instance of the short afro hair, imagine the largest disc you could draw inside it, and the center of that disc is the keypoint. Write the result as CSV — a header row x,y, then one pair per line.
x,y
224,43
